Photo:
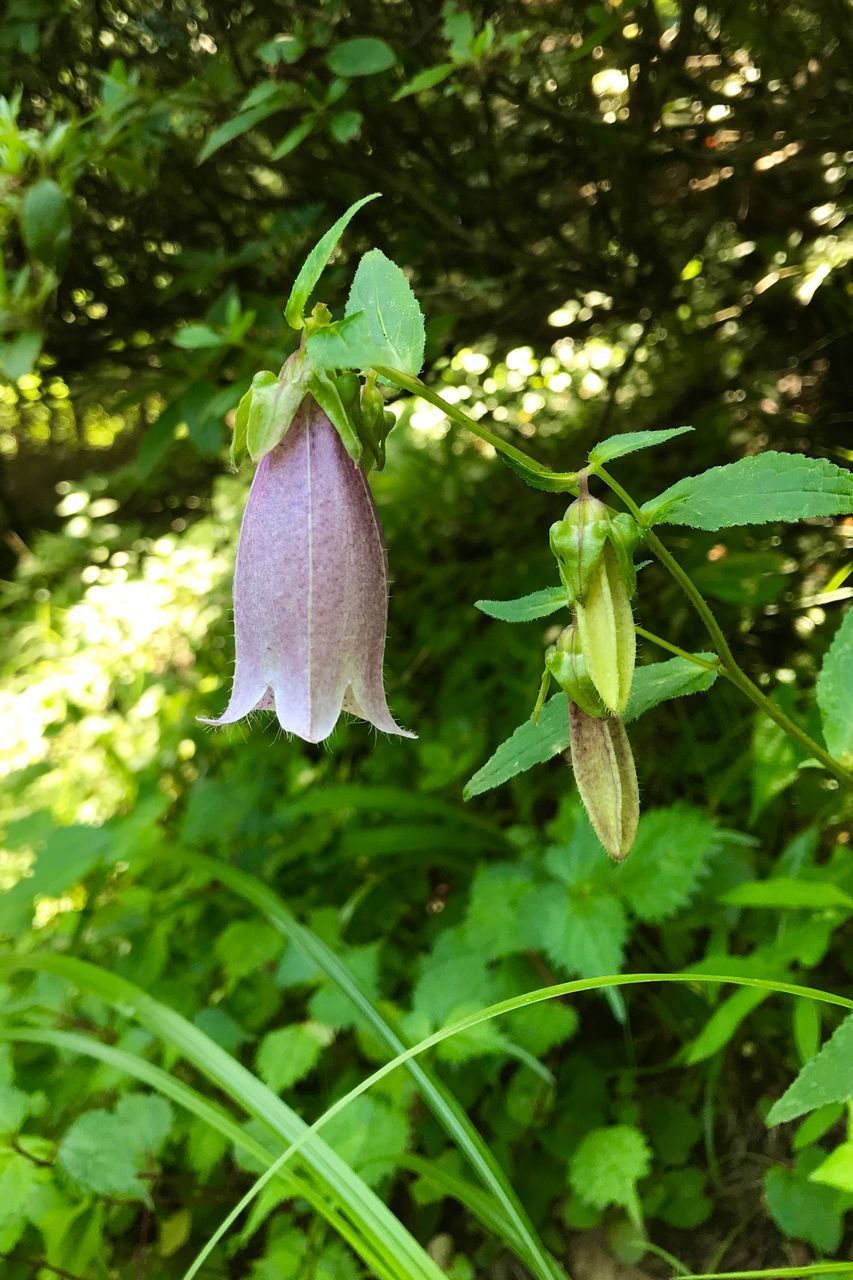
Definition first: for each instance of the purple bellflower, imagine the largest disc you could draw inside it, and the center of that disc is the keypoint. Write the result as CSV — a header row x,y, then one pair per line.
x,y
310,588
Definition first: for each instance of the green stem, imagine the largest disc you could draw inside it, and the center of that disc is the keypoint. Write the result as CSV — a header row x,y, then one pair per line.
x,y
539,476
673,648
729,664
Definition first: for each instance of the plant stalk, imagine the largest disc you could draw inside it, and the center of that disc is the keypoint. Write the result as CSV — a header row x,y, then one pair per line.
x,y
728,663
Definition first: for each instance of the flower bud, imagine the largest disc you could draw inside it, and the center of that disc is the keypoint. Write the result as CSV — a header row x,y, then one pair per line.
x,y
595,574
566,664
607,779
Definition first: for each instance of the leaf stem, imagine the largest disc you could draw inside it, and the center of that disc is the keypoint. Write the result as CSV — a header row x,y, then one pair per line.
x,y
536,474
681,653
729,665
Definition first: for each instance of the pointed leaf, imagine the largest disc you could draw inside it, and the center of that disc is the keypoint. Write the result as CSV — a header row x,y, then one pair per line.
x,y
631,441
770,486
313,266
383,324
539,604
532,744
826,1078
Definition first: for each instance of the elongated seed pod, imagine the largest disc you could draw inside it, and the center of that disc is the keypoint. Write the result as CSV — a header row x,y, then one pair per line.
x,y
607,779
606,631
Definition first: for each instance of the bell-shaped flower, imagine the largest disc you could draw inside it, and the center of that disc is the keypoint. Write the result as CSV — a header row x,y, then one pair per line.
x,y
310,588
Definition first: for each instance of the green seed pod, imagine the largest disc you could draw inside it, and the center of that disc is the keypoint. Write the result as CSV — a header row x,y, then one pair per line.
x,y
593,547
566,664
607,779
606,630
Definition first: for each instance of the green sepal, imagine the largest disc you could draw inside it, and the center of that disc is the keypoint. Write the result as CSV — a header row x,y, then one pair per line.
x,y
544,688
241,422
273,405
373,420
335,403
577,543
625,535
565,663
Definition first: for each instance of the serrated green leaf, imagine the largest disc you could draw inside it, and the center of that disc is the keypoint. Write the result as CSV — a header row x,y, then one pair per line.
x,y
246,946
662,681
782,892
97,1158
288,1054
826,1078
363,56
770,486
532,744
803,1209
631,441
538,604
835,693
669,858
492,923
608,1164
146,1120
314,265
582,934
383,323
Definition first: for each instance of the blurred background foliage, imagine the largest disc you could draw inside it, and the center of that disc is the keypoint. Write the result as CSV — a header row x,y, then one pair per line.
x,y
616,216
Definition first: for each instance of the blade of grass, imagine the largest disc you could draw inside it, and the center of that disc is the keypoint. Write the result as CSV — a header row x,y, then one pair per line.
x,y
437,1096
476,1201
523,1001
385,1235
190,1100
780,1273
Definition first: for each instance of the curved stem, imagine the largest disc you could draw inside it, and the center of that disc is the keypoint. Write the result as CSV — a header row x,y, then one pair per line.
x,y
535,473
729,664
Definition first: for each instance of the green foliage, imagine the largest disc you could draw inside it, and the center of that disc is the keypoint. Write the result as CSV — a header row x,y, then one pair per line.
x,y
594,261
826,1078
608,1164
538,604
803,1209
366,56
630,442
314,265
104,1152
835,692
535,742
771,486
382,325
